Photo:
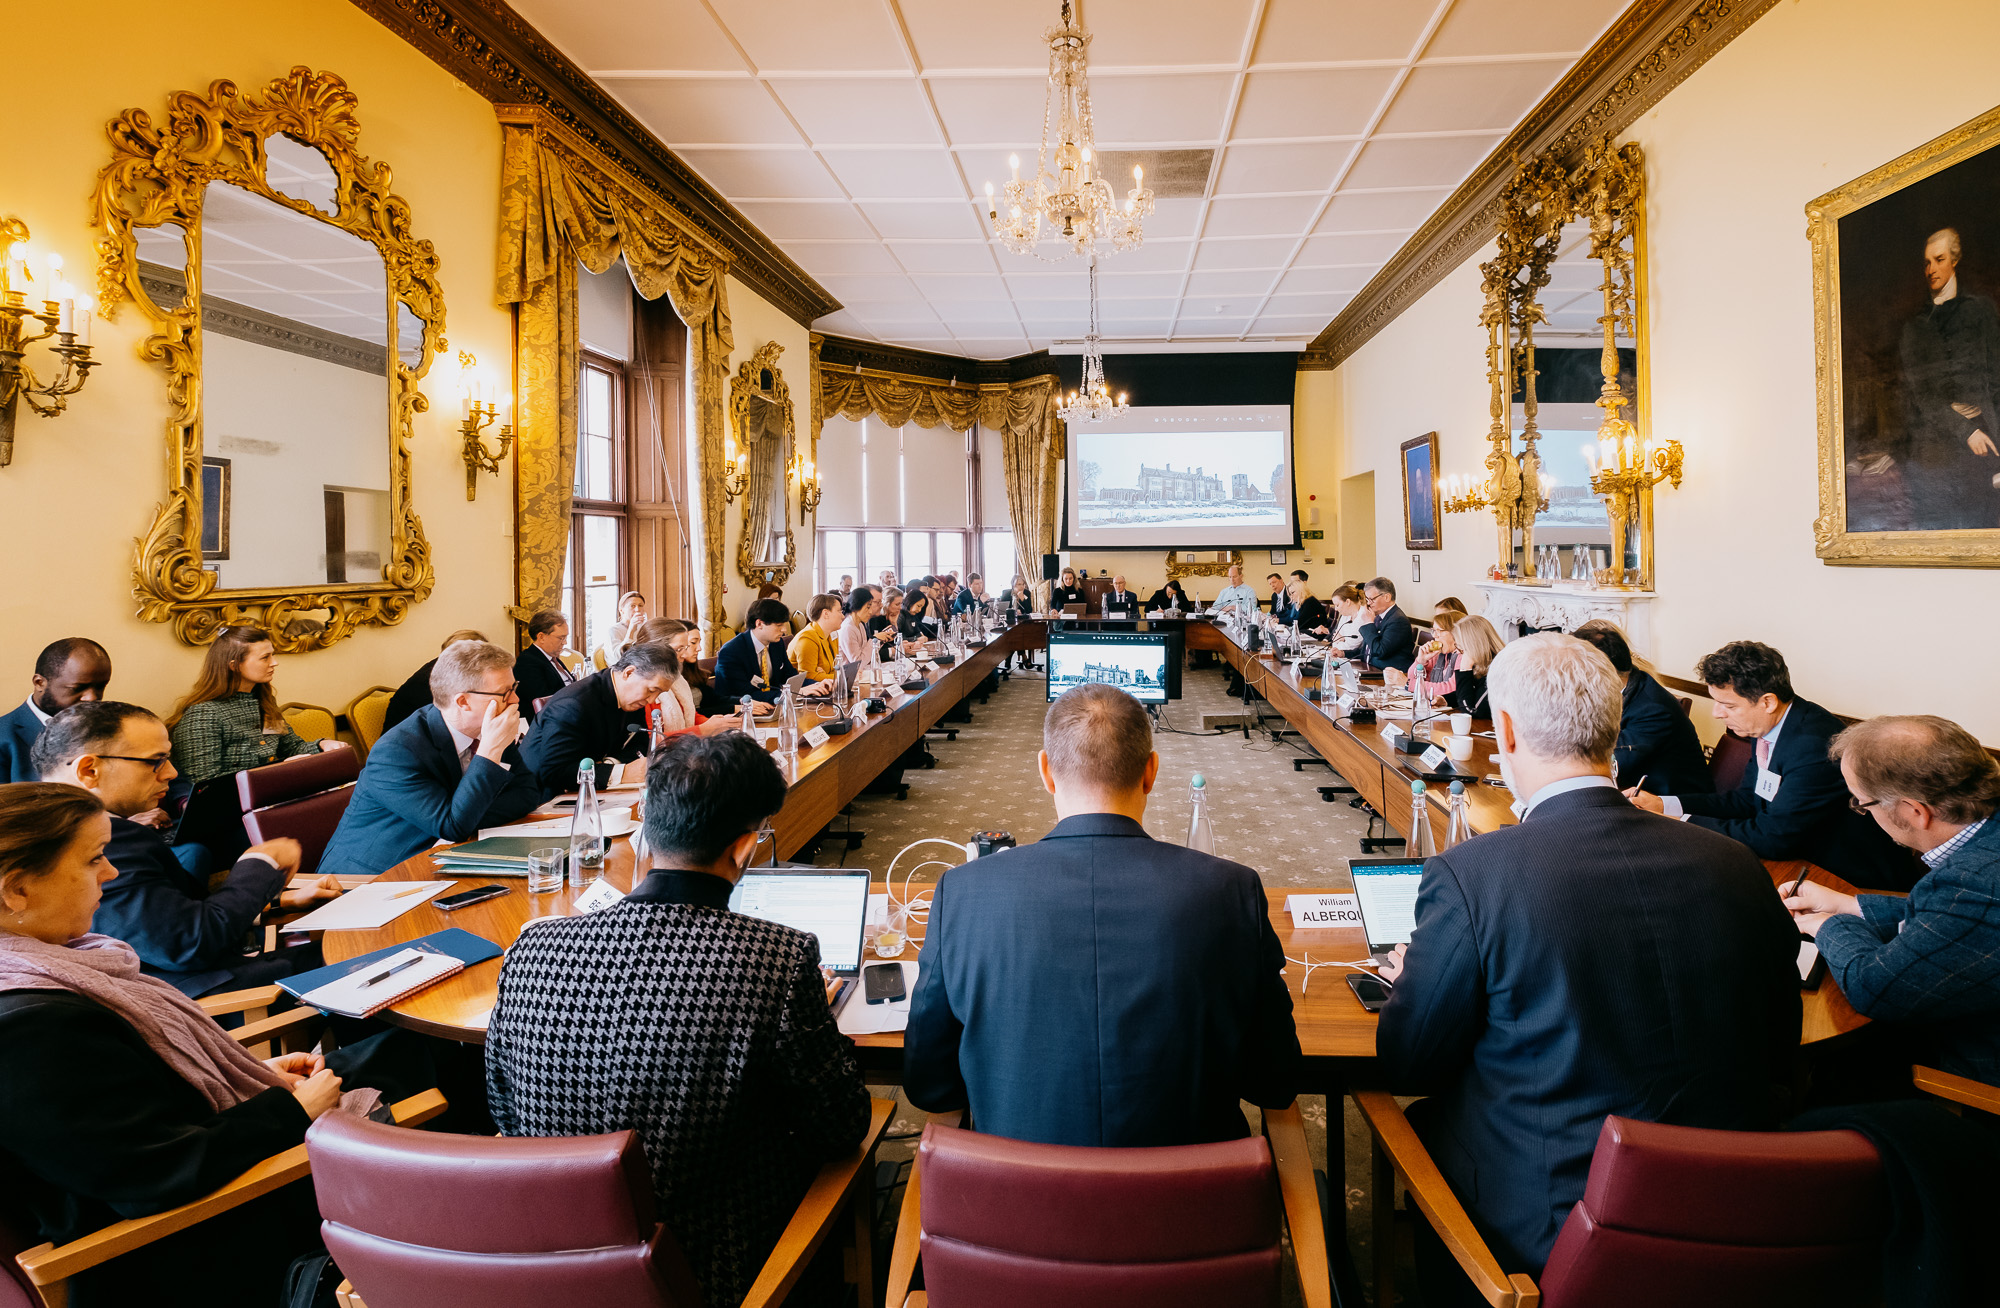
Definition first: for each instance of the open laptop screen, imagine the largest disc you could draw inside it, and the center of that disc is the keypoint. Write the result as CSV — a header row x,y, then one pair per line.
x,y
1386,892
832,905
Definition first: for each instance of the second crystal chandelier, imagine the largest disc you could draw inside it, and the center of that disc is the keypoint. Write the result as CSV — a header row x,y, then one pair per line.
x,y
1092,402
1067,192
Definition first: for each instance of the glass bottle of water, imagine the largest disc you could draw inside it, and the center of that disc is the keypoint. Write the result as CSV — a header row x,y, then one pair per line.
x,y
1421,843
746,706
1201,836
586,829
788,724
1459,829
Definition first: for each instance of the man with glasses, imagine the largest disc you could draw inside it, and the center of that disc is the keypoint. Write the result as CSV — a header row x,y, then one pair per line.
x,y
186,934
603,717
1387,640
443,773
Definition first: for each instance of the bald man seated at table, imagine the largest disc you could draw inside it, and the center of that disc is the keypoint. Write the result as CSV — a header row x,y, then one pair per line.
x,y
1100,987
444,772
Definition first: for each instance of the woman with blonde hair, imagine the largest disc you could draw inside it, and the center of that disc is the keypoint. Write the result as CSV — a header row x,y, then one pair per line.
x,y
625,632
814,651
1454,673
230,721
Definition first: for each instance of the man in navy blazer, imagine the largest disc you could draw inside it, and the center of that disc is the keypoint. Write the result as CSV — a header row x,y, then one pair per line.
x,y
1099,987
539,670
75,670
1925,968
1387,639
1791,802
601,718
443,773
1594,959
193,938
1657,744
741,665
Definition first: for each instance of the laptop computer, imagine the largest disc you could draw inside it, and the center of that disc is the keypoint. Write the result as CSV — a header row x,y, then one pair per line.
x,y
1385,892
828,903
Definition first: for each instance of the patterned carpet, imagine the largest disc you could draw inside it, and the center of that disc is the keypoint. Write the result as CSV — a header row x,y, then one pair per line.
x,y
1266,814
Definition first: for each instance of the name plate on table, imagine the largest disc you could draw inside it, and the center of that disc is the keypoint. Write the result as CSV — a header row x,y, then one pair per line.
x,y
816,737
1433,759
601,894
1323,910
1389,733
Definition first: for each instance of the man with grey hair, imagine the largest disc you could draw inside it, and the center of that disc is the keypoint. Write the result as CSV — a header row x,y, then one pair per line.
x,y
442,773
1950,355
1594,959
1099,987
1927,966
603,718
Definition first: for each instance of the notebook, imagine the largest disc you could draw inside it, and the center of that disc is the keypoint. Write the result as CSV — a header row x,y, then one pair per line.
x,y
460,947
367,991
500,856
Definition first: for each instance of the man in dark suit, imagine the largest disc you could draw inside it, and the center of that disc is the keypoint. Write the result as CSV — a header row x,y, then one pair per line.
x,y
1950,356
1281,598
1099,987
1791,802
754,662
1925,968
601,718
188,935
415,692
539,672
1657,744
71,671
443,774
1594,959
1118,599
1387,640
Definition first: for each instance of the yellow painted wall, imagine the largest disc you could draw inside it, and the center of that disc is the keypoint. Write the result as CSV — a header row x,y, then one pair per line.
x,y
83,485
754,321
1815,94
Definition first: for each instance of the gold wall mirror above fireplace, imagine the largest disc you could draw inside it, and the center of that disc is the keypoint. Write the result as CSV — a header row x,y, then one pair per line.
x,y
294,314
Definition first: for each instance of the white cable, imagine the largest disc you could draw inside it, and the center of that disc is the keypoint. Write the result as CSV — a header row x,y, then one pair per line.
x,y
917,909
1360,965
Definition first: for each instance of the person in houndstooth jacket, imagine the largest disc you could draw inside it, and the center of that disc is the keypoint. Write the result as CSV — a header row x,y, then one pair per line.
x,y
705,1031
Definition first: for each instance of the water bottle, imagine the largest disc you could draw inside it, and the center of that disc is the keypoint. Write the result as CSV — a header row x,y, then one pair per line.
x,y
1201,836
788,724
747,707
586,830
1459,829
1421,843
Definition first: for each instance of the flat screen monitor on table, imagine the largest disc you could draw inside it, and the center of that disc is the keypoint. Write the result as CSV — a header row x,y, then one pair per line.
x,y
1134,661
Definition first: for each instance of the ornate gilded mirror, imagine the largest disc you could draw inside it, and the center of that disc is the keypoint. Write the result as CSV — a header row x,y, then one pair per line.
x,y
761,448
1569,482
294,314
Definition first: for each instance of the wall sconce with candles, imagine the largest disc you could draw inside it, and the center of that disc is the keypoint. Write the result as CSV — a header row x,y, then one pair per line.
x,y
806,473
481,404
735,476
65,315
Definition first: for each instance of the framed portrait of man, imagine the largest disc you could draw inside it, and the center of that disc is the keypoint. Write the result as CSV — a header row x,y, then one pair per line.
x,y
1421,509
1906,289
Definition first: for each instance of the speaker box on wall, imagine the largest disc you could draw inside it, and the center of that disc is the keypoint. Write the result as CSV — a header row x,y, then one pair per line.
x,y
1051,567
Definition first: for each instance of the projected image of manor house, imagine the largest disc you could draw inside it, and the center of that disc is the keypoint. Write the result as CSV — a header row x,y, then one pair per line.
x,y
1144,493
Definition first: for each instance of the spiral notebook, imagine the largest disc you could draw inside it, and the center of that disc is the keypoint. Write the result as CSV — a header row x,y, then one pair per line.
x,y
369,990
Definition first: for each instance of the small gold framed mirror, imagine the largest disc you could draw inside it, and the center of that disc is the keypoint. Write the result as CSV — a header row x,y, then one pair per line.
x,y
762,432
294,313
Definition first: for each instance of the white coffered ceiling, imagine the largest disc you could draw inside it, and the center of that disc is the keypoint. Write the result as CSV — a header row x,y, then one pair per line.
x,y
859,136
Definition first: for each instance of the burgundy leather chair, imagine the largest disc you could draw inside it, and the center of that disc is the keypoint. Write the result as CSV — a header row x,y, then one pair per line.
x,y
295,778
1687,705
310,821
539,703
1730,759
429,1220
1005,1223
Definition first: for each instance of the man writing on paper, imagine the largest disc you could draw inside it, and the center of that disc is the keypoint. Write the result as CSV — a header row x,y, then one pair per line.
x,y
603,718
1594,959
442,773
1144,977
188,935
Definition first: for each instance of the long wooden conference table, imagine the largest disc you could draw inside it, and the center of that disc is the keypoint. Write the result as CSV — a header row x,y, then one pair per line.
x,y
1335,1032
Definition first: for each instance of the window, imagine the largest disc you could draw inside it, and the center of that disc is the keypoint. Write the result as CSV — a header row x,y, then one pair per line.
x,y
594,573
839,553
916,557
997,560
902,501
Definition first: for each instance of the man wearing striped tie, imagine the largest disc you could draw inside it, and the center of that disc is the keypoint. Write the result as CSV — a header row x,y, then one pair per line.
x,y
1792,802
754,663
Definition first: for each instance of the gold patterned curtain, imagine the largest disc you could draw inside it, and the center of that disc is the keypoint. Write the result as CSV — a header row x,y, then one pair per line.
x,y
1024,413
561,204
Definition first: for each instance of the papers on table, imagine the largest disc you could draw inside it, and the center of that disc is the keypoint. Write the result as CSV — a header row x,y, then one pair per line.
x,y
859,1017
346,883
368,991
616,824
367,907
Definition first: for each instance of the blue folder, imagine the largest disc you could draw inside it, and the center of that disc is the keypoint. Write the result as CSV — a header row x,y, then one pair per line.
x,y
458,943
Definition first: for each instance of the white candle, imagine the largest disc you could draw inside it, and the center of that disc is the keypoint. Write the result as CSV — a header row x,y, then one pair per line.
x,y
65,310
83,328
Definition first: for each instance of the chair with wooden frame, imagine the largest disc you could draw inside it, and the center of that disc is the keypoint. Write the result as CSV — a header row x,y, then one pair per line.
x,y
1124,1196
366,714
310,721
1820,1192
595,1237
41,1274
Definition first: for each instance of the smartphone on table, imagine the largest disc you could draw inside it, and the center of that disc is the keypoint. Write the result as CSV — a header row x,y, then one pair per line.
x,y
476,895
882,983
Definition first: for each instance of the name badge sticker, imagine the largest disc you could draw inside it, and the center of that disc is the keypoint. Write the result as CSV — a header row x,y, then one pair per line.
x,y
1323,910
1767,786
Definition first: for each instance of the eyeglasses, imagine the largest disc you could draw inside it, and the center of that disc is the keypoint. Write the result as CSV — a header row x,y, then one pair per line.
x,y
155,762
1861,805
497,694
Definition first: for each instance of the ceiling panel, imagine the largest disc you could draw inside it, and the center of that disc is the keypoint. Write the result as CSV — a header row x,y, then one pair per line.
x,y
861,139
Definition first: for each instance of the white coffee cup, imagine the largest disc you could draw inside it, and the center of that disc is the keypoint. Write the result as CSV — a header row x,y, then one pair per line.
x,y
1459,747
1461,725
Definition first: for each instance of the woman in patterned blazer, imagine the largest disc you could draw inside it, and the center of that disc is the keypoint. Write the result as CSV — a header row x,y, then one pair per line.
x,y
705,1031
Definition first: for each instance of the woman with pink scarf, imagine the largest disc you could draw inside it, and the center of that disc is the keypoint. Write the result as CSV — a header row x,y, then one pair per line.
x,y
119,1097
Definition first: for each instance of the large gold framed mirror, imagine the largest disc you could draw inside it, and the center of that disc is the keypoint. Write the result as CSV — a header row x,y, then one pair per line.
x,y
763,441
294,313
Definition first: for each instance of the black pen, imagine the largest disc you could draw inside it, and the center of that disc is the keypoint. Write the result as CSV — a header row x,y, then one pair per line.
x,y
384,976
1804,872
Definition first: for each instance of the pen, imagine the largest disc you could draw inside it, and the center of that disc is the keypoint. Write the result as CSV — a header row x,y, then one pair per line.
x,y
414,890
1640,784
384,976
1800,880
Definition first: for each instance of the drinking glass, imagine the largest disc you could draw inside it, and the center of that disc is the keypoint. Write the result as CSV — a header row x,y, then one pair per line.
x,y
890,935
545,869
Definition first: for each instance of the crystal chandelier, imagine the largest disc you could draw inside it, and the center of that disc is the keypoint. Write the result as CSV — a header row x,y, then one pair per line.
x,y
1093,402
1066,192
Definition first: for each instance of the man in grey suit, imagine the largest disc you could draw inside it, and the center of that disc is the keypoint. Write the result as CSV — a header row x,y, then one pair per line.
x,y
1099,987
1928,965
1594,959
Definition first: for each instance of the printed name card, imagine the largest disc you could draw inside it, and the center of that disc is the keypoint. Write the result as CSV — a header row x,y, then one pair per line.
x,y
1432,758
816,737
1323,910
602,894
1389,733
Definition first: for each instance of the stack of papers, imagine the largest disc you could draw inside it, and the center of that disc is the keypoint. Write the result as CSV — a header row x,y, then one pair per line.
x,y
555,830
365,908
859,1017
